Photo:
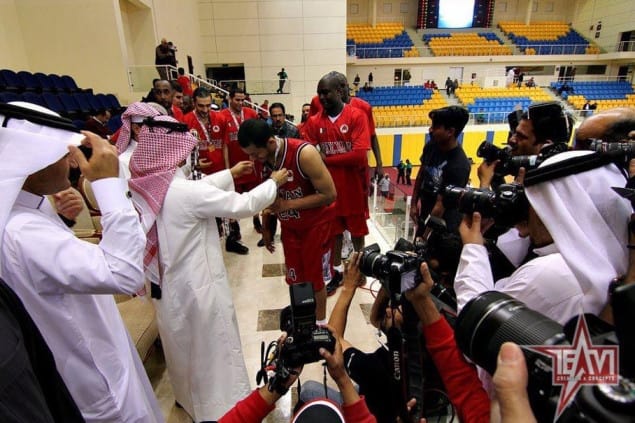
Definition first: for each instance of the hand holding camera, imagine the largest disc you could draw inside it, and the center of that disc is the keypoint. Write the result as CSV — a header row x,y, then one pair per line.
x,y
470,229
103,163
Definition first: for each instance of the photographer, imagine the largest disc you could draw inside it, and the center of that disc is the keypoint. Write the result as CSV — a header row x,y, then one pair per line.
x,y
261,402
443,163
543,124
373,371
568,218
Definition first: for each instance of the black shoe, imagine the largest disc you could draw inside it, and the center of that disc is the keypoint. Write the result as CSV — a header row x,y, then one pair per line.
x,y
261,243
335,282
235,246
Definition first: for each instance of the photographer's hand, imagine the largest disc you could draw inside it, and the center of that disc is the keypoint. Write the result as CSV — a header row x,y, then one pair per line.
x,y
510,383
103,162
470,229
352,275
335,367
419,297
485,173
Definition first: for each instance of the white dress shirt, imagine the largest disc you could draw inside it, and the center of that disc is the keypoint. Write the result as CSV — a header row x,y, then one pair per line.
x,y
545,284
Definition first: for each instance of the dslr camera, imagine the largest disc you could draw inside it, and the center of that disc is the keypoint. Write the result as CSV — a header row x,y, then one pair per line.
x,y
510,164
507,205
304,337
493,318
398,269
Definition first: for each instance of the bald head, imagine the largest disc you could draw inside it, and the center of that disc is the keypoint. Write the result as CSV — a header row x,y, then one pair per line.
x,y
609,125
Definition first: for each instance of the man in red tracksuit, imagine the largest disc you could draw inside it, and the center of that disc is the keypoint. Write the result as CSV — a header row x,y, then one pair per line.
x,y
207,125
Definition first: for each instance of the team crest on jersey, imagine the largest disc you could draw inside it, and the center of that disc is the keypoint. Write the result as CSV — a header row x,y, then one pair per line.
x,y
344,129
216,128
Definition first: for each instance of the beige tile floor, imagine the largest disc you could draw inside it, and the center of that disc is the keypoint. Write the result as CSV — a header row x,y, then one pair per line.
x,y
253,296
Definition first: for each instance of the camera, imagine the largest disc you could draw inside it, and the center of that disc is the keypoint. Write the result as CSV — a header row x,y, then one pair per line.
x,y
304,337
493,318
510,164
507,205
623,148
398,271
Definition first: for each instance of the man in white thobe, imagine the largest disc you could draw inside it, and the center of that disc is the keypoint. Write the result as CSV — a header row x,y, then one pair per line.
x,y
64,282
578,225
195,312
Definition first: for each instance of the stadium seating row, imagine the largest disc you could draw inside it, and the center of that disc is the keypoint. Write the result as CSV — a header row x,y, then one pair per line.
x,y
392,96
76,105
36,82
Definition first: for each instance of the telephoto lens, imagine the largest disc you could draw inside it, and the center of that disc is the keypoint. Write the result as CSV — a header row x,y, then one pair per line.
x,y
493,318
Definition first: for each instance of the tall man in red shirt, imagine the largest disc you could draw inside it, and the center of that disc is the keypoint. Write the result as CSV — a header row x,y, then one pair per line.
x,y
232,117
341,132
302,205
207,125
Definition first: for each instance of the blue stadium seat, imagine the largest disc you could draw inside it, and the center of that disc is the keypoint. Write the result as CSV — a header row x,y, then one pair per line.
x,y
46,84
29,82
34,98
8,97
54,103
11,81
57,82
71,106
69,84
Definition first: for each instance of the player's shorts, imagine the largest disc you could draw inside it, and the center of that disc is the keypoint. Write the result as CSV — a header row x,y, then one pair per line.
x,y
307,254
355,224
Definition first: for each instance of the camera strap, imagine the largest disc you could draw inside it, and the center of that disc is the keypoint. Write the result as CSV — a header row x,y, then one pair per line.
x,y
399,373
572,166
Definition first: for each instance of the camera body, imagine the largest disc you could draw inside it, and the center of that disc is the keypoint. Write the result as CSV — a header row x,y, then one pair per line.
x,y
507,205
304,337
398,271
510,164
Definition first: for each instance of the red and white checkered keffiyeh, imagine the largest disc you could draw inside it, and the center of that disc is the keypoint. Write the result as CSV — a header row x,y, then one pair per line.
x,y
153,165
133,111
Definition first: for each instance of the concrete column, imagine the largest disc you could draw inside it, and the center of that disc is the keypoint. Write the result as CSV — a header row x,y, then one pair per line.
x,y
530,6
373,13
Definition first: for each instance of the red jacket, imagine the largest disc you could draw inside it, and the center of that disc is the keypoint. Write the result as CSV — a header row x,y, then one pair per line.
x,y
254,409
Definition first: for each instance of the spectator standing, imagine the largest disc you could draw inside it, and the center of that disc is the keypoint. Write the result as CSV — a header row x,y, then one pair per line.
x,y
184,82
401,172
356,82
370,79
449,86
384,186
163,57
408,172
282,78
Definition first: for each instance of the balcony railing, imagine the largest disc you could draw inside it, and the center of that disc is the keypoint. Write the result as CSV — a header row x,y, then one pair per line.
x,y
625,46
268,86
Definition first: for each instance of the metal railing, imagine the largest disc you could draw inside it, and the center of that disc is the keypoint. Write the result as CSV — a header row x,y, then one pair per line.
x,y
354,50
267,86
547,49
391,213
625,46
